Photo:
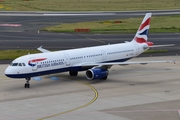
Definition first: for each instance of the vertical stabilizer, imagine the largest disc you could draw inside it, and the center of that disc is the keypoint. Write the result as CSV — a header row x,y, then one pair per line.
x,y
142,33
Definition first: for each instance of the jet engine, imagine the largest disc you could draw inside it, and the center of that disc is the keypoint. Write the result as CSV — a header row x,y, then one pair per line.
x,y
96,73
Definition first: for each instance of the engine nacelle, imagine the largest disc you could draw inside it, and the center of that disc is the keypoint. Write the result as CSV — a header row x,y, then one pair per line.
x,y
96,73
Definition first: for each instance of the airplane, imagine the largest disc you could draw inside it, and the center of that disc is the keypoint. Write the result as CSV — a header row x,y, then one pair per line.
x,y
96,61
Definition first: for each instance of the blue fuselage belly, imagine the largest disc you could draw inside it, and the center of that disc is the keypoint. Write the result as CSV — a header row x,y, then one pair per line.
x,y
77,68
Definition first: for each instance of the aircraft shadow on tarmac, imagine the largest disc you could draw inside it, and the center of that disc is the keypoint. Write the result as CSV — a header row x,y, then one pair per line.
x,y
116,76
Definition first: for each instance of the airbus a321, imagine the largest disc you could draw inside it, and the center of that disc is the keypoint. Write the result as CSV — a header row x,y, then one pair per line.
x,y
94,60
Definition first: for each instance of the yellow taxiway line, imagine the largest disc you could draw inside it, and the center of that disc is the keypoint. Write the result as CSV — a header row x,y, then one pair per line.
x,y
94,99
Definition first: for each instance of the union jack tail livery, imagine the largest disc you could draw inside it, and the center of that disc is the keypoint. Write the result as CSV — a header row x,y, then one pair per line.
x,y
142,33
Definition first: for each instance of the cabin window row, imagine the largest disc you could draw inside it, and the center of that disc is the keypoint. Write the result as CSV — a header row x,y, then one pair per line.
x,y
74,58
119,52
94,55
85,56
52,61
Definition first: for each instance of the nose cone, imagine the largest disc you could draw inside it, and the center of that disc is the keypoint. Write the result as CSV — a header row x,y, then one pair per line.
x,y
8,72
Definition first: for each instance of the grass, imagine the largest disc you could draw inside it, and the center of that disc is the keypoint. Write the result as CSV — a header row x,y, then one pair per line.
x,y
155,51
158,24
13,54
88,5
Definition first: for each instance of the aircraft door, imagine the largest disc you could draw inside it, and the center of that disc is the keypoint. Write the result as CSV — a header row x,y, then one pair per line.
x,y
67,59
33,63
103,55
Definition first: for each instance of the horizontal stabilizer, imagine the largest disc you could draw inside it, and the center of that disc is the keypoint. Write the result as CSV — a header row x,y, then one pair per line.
x,y
161,45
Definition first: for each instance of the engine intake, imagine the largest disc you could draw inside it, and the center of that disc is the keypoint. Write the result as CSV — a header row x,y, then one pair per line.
x,y
96,73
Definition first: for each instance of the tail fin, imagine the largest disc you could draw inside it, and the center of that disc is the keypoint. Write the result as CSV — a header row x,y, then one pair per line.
x,y
142,33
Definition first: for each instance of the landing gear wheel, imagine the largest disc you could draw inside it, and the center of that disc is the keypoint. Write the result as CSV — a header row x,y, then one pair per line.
x,y
73,73
27,85
104,78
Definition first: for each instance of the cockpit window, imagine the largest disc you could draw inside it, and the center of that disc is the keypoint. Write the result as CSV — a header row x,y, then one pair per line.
x,y
14,64
17,64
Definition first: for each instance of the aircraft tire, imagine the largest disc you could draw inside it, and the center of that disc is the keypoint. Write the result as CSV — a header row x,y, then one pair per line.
x,y
104,78
73,73
26,85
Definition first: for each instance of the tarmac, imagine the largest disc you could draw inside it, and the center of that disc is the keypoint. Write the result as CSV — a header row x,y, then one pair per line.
x,y
132,92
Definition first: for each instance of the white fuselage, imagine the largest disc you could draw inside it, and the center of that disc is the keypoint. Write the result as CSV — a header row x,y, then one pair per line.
x,y
71,60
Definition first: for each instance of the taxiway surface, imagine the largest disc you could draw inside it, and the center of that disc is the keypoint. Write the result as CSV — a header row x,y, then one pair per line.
x,y
25,35
62,41
33,21
134,92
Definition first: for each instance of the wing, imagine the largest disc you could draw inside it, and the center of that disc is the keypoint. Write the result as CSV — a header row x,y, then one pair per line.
x,y
122,63
42,49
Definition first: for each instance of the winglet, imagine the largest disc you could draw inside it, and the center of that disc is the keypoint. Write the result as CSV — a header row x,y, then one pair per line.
x,y
174,61
42,49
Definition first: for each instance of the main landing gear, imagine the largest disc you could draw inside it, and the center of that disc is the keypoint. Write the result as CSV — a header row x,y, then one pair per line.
x,y
104,78
27,85
73,73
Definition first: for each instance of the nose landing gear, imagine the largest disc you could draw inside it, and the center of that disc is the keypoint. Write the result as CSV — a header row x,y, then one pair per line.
x,y
27,85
